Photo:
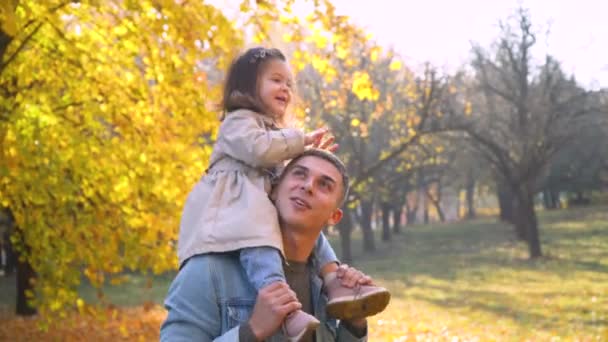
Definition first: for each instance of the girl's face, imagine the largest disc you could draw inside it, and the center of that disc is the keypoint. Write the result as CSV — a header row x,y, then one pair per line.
x,y
275,87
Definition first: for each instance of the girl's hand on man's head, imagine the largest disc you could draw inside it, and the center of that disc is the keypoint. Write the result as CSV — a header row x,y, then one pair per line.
x,y
314,139
328,144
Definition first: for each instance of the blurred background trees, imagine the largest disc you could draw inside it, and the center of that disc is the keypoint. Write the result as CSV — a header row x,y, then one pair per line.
x,y
108,115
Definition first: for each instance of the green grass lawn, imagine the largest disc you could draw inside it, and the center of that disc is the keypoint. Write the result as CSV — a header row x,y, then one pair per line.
x,y
468,281
473,281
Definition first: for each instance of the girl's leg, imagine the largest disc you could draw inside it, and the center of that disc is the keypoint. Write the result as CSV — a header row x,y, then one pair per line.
x,y
263,265
345,303
325,259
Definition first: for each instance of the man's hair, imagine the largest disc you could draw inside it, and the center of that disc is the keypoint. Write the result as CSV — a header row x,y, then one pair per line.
x,y
329,157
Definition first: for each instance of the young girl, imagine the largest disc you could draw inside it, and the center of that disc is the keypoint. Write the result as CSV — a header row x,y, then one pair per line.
x,y
229,209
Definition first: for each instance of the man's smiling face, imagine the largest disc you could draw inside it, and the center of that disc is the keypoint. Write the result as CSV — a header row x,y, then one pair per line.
x,y
308,195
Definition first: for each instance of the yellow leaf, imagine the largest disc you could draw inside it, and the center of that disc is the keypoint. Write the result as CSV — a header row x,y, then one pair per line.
x,y
341,52
355,122
9,21
468,108
395,65
375,53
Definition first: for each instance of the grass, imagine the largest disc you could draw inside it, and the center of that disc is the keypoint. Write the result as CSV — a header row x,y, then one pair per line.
x,y
472,281
467,281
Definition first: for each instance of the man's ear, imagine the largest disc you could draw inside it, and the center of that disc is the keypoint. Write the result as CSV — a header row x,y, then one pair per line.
x,y
335,217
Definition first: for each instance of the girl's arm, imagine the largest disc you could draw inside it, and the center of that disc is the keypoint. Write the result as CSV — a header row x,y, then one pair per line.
x,y
245,139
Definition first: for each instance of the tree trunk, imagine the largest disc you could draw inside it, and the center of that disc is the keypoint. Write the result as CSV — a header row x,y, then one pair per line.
x,y
518,220
5,40
25,275
397,212
25,272
506,203
9,253
410,213
425,208
470,195
436,202
10,261
529,222
555,199
386,227
369,244
346,227
547,199
550,199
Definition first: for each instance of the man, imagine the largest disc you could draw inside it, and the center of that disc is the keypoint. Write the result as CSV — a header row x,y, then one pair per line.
x,y
211,298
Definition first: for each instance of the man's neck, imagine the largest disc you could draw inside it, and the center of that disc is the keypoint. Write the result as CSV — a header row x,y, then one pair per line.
x,y
297,247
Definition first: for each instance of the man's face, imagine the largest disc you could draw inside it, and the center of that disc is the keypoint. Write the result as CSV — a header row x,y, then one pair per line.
x,y
308,194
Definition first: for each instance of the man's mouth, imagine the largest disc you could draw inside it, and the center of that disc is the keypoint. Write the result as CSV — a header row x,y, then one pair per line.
x,y
300,203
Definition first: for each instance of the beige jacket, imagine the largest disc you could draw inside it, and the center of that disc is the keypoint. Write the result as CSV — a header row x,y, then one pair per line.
x,y
229,208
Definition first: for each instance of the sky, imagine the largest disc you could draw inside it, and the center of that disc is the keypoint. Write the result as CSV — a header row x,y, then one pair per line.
x,y
441,31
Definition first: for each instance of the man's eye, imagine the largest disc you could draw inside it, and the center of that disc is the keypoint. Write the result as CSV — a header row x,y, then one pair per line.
x,y
325,185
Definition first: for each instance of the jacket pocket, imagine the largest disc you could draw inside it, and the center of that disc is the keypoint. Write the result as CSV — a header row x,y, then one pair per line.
x,y
238,311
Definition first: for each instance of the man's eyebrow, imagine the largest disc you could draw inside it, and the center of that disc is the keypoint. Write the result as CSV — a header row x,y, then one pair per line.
x,y
303,168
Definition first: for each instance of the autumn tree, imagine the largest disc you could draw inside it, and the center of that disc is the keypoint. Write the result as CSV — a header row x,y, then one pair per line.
x,y
107,119
581,167
530,112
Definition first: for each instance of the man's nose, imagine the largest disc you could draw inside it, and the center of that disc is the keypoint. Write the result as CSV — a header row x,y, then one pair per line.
x,y
307,186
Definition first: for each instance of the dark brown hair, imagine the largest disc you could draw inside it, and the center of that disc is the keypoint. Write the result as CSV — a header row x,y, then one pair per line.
x,y
240,89
329,157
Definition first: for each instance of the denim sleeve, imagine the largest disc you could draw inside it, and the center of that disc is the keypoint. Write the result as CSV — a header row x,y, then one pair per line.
x,y
192,305
323,253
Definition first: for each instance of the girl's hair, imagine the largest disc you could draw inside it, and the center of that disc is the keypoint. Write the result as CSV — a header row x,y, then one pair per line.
x,y
240,89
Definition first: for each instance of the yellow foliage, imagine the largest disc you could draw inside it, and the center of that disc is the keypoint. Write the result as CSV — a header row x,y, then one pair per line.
x,y
362,86
102,143
468,108
375,53
395,65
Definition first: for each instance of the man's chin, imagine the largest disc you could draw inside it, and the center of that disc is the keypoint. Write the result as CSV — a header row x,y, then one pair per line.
x,y
295,221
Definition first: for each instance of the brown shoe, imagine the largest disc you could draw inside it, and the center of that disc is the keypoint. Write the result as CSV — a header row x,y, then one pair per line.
x,y
358,302
297,324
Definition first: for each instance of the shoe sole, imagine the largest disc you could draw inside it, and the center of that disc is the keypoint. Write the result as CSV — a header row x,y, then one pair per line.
x,y
360,307
310,327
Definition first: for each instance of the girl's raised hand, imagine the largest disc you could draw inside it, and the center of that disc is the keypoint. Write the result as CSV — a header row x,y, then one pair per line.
x,y
328,145
314,138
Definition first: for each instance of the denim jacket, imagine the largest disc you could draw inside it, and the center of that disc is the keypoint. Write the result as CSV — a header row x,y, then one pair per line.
x,y
211,296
